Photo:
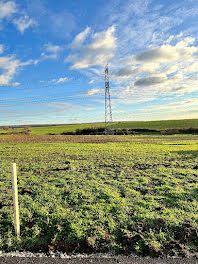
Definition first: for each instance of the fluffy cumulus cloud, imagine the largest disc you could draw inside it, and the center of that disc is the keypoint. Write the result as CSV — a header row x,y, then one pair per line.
x,y
150,81
183,50
155,80
23,23
166,53
52,48
10,11
146,22
133,70
7,9
9,66
171,67
79,39
150,64
51,51
98,52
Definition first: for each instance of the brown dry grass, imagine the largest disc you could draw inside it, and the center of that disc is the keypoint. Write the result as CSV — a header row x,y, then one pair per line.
x,y
62,139
143,139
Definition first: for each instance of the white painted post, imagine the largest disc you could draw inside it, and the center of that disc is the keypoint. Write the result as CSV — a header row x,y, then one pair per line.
x,y
15,200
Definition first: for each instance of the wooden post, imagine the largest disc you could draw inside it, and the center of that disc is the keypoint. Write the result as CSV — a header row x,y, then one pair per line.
x,y
15,200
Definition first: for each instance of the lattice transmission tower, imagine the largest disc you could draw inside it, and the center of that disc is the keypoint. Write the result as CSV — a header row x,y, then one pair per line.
x,y
108,111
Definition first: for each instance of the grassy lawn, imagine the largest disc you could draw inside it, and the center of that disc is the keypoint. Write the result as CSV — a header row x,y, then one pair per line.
x,y
138,196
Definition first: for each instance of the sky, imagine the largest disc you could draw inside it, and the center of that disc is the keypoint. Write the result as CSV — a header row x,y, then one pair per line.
x,y
53,56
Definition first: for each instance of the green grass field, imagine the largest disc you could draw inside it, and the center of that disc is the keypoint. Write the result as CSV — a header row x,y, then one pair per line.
x,y
139,196
158,125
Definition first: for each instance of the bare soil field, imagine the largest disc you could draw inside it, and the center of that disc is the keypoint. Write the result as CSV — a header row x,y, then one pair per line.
x,y
121,260
61,139
151,139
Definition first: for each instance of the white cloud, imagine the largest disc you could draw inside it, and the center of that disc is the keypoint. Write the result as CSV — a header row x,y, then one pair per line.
x,y
15,84
29,62
98,52
167,69
155,80
182,50
91,81
7,9
1,48
192,67
24,23
157,65
89,109
142,23
62,79
119,111
9,65
150,81
52,48
51,51
127,71
79,39
133,70
93,91
56,81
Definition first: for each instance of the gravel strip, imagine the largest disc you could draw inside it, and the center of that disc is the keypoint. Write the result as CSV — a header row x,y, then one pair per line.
x,y
63,258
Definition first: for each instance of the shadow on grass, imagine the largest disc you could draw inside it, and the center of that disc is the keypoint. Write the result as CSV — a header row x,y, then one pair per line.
x,y
187,154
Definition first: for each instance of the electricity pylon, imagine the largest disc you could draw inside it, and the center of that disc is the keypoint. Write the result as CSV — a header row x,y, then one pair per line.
x,y
108,112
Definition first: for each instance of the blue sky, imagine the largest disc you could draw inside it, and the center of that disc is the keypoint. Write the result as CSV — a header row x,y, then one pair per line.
x,y
53,54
